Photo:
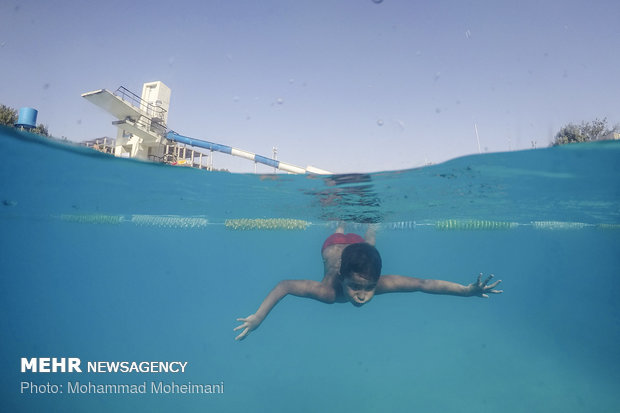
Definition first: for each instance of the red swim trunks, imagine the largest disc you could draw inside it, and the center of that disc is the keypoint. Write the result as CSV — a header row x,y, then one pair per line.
x,y
339,238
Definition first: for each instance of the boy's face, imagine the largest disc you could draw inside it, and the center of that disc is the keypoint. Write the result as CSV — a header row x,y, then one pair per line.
x,y
358,289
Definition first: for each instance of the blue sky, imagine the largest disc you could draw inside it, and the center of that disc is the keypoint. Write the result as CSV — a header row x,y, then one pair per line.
x,y
348,86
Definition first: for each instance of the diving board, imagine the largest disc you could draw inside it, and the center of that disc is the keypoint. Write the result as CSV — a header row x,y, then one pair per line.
x,y
113,104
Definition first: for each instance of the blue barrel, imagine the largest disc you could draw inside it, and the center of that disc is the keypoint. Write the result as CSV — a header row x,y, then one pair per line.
x,y
27,118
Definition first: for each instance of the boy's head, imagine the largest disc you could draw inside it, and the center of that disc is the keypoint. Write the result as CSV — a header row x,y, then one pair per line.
x,y
360,268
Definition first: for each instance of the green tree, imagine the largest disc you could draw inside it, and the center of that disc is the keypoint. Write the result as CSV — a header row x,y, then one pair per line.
x,y
587,131
41,129
8,115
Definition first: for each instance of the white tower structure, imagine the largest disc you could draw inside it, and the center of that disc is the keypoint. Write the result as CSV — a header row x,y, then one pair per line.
x,y
143,134
141,120
155,97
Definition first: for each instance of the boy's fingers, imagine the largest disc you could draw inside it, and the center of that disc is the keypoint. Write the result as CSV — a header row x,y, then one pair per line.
x,y
489,278
242,335
494,284
239,327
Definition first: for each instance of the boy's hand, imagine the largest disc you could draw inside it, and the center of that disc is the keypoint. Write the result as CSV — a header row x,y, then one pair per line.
x,y
480,288
249,323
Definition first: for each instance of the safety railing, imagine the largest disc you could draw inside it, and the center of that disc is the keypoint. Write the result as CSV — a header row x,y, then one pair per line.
x,y
105,144
179,155
152,111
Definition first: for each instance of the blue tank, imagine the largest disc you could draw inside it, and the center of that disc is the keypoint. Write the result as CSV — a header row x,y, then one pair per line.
x,y
27,118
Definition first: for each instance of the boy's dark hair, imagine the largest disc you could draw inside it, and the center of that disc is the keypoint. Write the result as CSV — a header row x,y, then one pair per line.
x,y
361,258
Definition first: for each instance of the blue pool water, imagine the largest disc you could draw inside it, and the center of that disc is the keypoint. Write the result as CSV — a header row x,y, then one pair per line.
x,y
107,259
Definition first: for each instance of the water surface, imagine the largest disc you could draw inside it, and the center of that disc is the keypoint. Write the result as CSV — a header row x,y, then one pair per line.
x,y
111,259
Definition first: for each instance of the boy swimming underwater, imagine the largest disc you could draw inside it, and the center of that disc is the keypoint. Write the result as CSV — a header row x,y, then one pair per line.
x,y
352,273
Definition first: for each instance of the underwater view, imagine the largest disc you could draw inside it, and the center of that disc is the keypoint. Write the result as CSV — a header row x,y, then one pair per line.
x,y
109,260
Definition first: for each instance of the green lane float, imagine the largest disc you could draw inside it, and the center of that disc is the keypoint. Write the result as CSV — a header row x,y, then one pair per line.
x,y
93,219
266,224
473,225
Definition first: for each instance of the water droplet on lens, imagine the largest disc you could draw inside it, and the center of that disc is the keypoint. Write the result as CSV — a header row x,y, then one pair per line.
x,y
280,101
377,1
380,122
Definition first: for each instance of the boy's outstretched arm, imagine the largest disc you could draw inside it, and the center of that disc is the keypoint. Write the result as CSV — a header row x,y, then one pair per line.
x,y
299,288
399,283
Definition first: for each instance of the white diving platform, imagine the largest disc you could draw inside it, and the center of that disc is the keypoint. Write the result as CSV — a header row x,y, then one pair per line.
x,y
141,121
131,118
113,104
